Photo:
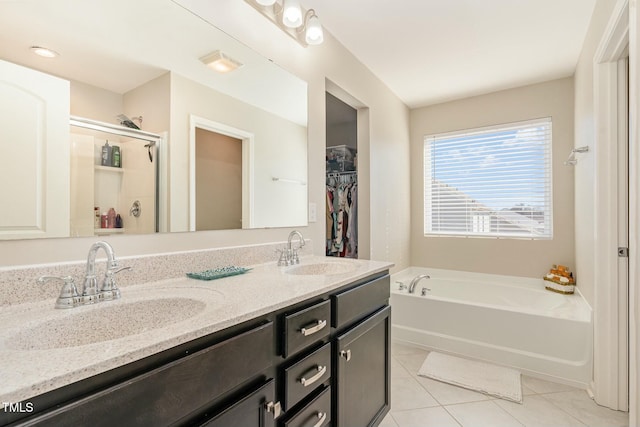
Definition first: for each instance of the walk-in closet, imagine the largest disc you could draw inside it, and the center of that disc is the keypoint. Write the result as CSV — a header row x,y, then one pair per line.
x,y
342,180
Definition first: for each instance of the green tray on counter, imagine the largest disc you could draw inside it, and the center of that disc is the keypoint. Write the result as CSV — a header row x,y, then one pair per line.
x,y
218,273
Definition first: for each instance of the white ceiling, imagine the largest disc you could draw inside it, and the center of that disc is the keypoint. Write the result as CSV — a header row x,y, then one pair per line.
x,y
426,51
118,45
431,51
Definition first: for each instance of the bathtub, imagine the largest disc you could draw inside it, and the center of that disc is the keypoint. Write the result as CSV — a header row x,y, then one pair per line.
x,y
510,321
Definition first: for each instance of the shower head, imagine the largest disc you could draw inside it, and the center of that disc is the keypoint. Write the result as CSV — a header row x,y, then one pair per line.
x,y
126,121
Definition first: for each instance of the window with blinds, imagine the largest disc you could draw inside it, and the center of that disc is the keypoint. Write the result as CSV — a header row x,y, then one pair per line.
x,y
493,182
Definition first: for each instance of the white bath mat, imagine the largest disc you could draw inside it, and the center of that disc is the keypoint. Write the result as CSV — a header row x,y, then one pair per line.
x,y
479,376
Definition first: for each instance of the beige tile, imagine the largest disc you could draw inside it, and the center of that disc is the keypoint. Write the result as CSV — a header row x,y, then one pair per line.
x,y
526,391
398,348
482,414
447,394
388,421
427,417
397,370
541,386
578,404
536,411
412,362
406,393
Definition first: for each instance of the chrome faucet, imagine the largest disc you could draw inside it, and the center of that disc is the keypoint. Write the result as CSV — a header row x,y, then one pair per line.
x,y
69,296
289,255
414,282
108,291
292,235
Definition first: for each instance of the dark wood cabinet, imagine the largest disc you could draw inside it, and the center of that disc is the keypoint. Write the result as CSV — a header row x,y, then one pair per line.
x,y
176,390
259,408
321,362
362,380
304,327
305,375
316,413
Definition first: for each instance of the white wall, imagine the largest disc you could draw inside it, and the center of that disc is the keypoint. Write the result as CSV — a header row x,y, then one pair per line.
x,y
95,103
585,233
518,257
389,154
277,146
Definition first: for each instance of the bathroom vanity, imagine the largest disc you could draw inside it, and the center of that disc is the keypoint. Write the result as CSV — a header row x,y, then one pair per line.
x,y
311,348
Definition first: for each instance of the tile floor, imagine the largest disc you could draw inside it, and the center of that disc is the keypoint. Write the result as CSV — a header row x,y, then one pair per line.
x,y
421,402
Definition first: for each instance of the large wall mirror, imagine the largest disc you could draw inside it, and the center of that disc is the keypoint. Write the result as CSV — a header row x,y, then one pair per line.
x,y
232,152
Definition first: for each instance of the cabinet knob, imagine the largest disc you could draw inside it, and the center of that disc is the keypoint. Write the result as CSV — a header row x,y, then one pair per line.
x,y
346,354
322,417
274,408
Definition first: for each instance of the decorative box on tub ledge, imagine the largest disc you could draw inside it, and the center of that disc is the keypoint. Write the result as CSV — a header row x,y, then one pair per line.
x,y
560,279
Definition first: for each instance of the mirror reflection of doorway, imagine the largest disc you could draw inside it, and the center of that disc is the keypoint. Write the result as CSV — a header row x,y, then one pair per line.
x,y
218,181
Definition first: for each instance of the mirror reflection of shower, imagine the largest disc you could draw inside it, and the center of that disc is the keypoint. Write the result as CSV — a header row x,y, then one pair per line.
x,y
112,176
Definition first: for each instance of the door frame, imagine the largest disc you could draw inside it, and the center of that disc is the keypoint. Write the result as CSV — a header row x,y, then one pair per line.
x,y
248,147
611,325
634,214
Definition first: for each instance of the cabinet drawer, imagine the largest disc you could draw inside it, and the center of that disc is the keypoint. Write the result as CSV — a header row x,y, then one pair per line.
x,y
317,413
304,376
358,302
305,327
180,388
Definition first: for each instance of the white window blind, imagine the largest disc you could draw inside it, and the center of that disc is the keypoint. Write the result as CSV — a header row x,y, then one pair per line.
x,y
493,181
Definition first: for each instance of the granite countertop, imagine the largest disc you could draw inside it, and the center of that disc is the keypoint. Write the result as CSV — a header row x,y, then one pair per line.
x,y
151,317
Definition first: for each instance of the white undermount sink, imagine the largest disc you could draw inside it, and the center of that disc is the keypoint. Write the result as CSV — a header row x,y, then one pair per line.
x,y
322,268
104,322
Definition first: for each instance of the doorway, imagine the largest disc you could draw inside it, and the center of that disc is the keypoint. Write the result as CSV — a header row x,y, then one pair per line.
x,y
341,238
220,178
218,181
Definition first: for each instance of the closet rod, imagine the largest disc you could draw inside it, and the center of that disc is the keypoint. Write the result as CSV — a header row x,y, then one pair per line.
x,y
337,174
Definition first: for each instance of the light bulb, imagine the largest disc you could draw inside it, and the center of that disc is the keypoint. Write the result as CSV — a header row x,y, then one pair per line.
x,y
44,52
266,2
292,14
314,34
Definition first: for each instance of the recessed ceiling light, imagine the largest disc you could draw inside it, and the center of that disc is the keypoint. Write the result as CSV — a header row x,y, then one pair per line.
x,y
44,52
220,62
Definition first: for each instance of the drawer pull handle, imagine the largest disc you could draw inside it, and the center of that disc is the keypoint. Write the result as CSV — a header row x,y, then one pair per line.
x,y
313,328
320,372
276,408
346,354
322,417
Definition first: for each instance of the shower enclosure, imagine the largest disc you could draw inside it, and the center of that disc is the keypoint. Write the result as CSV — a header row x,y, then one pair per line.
x,y
114,179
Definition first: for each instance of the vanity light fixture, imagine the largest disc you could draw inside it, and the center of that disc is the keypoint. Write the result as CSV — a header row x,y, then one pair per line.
x,y
313,34
291,13
44,52
220,62
302,25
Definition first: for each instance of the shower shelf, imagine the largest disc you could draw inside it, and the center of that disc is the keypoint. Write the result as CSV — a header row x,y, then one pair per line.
x,y
107,231
108,169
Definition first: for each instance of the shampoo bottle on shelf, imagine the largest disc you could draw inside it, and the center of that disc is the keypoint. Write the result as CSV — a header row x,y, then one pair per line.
x,y
116,157
106,154
111,218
